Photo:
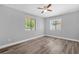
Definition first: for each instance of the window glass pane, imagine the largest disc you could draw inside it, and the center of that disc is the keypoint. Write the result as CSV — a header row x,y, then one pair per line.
x,y
55,24
59,23
33,24
30,23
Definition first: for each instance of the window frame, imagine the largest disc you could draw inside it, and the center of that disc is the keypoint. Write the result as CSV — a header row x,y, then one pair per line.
x,y
25,22
58,25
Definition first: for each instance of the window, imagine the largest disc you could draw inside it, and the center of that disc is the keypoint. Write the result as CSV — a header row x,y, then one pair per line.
x,y
30,23
55,24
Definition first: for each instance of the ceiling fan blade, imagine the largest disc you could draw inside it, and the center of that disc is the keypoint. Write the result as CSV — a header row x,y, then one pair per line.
x,y
49,5
49,10
42,12
40,8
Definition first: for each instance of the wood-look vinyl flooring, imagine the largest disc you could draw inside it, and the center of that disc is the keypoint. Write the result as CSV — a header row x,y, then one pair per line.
x,y
44,45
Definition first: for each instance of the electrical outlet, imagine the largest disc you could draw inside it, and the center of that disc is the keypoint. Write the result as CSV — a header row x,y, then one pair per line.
x,y
9,39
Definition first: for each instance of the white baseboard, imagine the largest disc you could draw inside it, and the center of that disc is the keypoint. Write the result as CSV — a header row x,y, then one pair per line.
x,y
64,38
14,43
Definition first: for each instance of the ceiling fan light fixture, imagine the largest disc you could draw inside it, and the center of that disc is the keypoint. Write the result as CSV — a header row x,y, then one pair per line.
x,y
45,10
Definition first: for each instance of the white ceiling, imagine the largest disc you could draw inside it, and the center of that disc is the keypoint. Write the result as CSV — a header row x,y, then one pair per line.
x,y
58,9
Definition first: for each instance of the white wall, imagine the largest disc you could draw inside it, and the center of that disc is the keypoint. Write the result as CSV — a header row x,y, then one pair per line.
x,y
70,26
12,26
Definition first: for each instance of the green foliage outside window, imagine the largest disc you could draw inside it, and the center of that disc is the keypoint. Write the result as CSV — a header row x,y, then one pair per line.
x,y
30,24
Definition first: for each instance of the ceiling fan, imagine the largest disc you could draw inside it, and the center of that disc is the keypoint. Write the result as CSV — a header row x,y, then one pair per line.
x,y
45,8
